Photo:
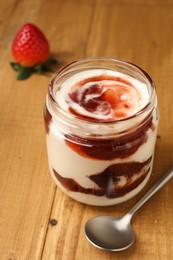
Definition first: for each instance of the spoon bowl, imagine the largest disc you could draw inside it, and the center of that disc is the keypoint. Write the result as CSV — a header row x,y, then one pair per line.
x,y
116,234
110,233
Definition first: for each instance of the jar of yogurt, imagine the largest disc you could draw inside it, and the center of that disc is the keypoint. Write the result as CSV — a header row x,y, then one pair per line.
x,y
101,120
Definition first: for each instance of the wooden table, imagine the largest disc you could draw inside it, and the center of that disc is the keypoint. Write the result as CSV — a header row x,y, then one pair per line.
x,y
139,31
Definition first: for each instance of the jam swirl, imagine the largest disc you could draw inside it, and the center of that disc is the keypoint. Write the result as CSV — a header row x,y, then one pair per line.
x,y
104,98
108,181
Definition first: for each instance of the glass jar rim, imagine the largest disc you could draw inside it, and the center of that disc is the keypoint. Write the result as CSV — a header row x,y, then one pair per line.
x,y
62,71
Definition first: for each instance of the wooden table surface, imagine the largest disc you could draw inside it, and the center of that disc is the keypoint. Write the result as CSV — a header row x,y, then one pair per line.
x,y
139,31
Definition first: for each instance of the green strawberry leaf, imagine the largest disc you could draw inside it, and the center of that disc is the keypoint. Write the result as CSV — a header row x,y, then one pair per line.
x,y
15,66
25,72
43,68
38,68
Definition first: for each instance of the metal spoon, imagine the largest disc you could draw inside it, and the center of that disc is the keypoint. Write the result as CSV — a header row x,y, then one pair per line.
x,y
116,234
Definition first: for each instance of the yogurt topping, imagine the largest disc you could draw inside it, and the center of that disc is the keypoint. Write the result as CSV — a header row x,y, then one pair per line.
x,y
102,95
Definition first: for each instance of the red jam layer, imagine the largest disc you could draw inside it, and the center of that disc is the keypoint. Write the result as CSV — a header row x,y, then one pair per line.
x,y
109,149
47,119
107,181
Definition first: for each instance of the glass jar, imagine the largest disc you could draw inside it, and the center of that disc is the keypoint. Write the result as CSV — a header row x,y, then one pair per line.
x,y
94,160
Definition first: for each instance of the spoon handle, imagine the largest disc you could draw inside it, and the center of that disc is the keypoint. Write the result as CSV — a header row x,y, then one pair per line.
x,y
156,187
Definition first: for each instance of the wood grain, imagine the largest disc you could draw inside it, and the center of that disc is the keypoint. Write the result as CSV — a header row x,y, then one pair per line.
x,y
137,31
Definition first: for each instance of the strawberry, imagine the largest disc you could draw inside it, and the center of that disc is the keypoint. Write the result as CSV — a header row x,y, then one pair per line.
x,y
30,49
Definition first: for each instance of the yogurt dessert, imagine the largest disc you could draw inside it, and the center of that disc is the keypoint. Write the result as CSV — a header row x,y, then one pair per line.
x,y
101,123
